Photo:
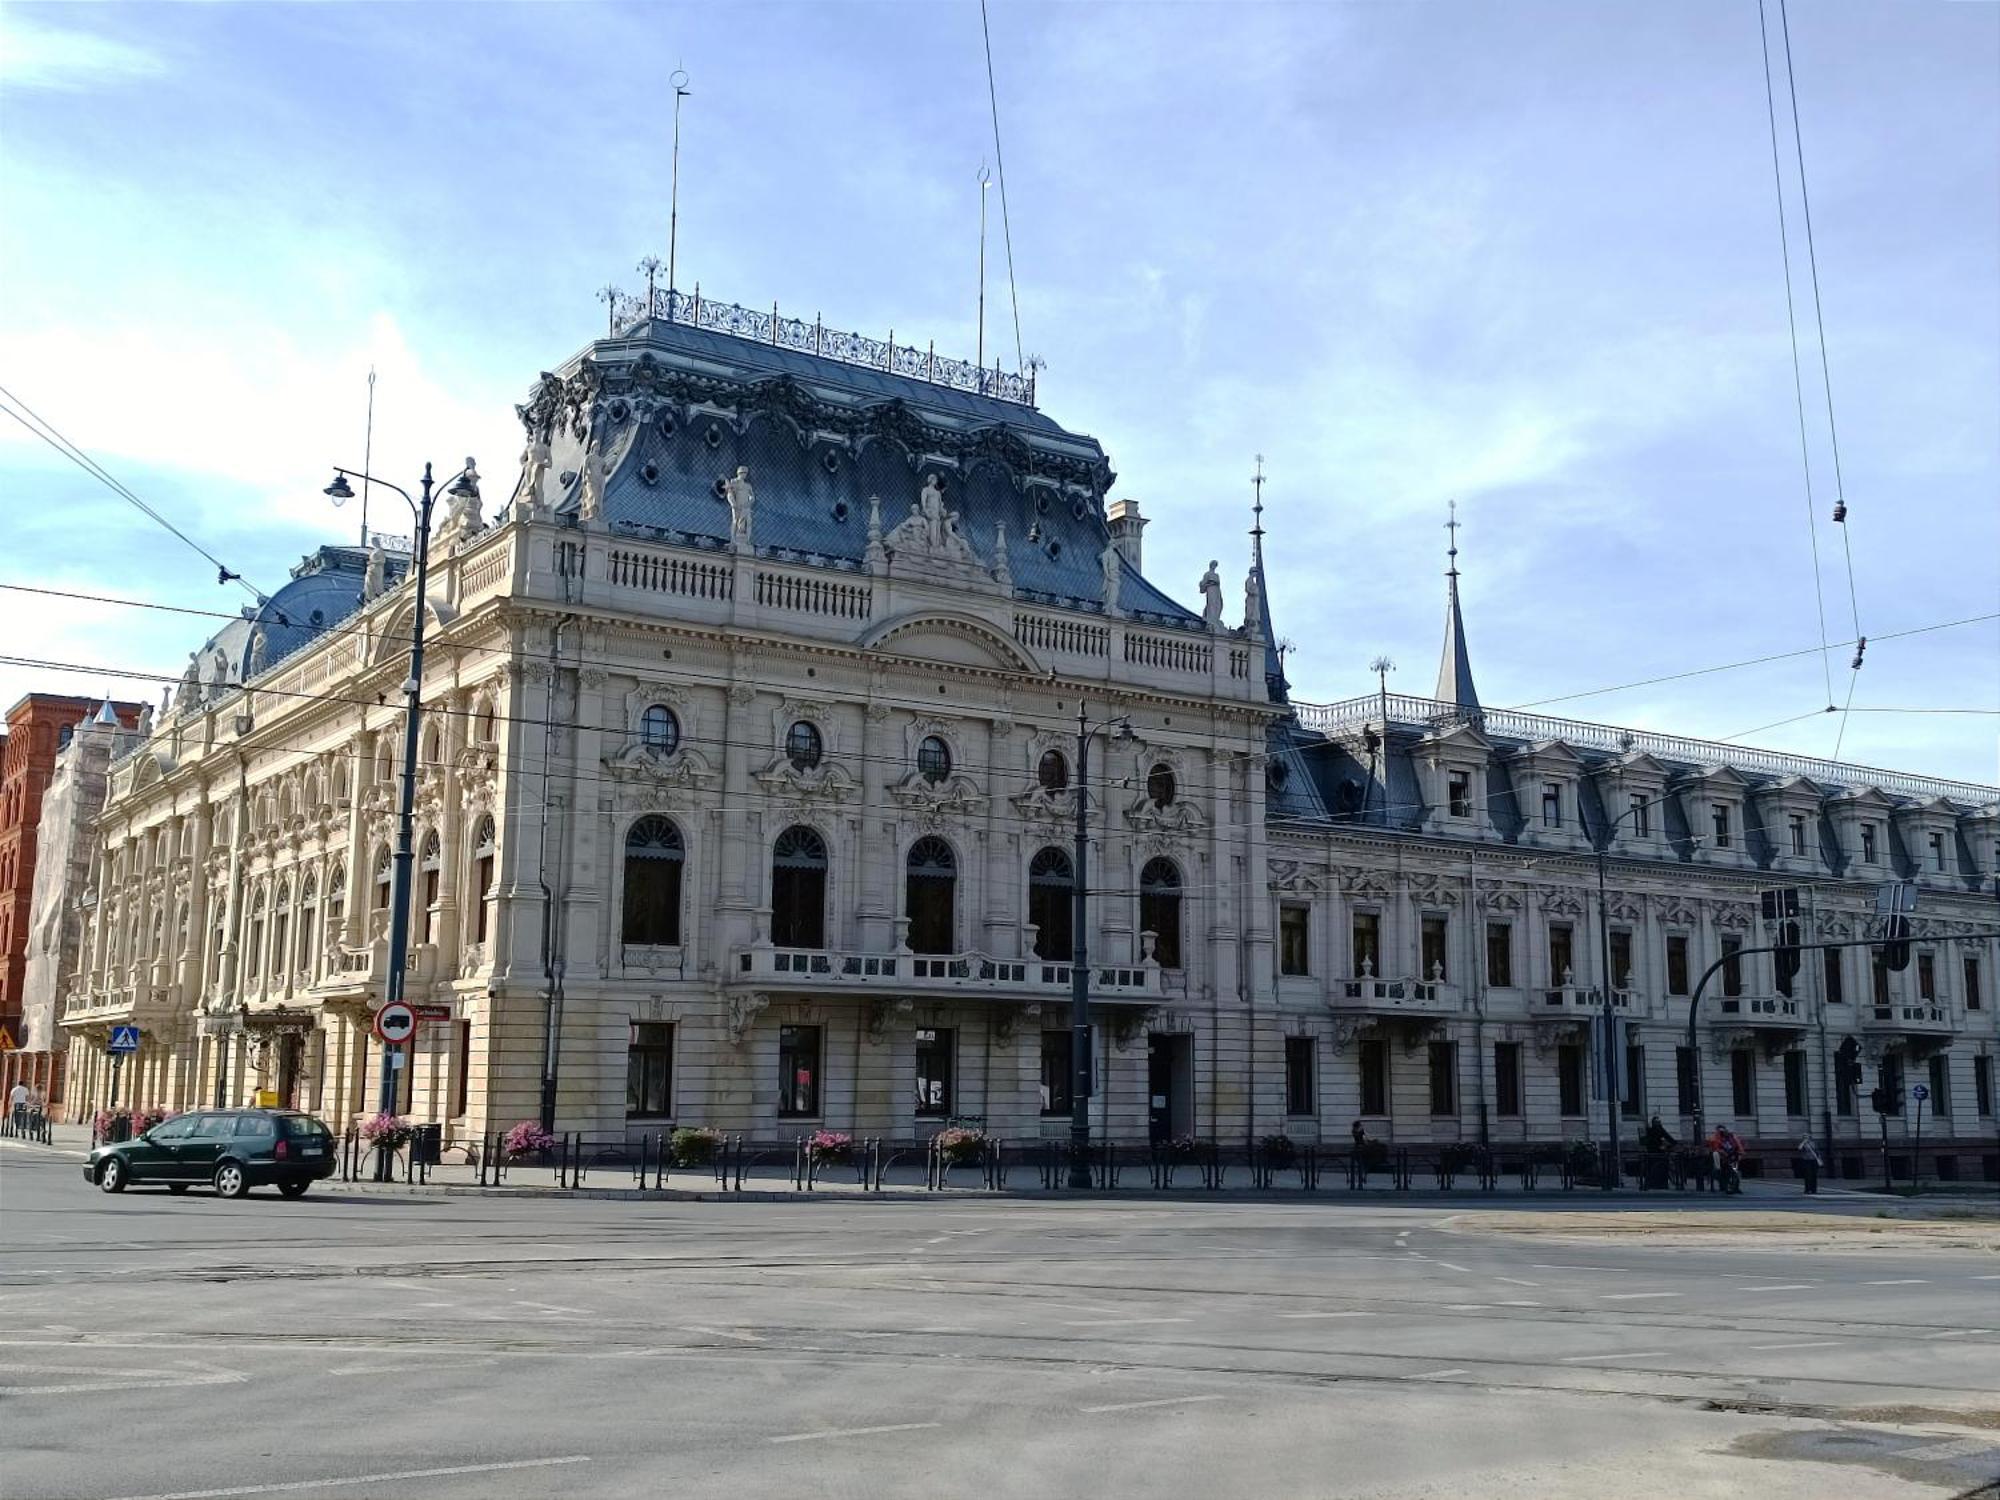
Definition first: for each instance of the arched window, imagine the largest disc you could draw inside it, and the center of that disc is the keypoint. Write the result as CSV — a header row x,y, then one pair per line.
x,y
336,904
483,854
308,924
798,889
482,722
1052,903
803,745
1160,910
253,957
1052,771
1161,786
930,884
281,929
654,856
933,759
385,758
433,744
430,868
659,730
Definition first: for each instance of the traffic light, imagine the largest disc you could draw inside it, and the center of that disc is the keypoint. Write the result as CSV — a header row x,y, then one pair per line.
x,y
1847,1062
1878,1099
1895,903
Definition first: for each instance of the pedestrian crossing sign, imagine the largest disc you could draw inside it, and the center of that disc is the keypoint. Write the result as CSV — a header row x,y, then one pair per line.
x,y
123,1039
6,1040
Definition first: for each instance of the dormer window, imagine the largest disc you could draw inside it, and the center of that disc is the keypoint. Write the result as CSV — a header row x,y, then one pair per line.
x,y
1720,816
1868,843
1552,804
1640,815
1937,852
1458,793
1799,834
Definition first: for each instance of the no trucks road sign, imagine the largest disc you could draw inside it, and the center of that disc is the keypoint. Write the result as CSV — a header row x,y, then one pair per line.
x,y
395,1022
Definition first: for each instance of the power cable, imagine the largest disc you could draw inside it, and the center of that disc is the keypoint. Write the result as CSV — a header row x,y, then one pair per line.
x,y
1000,166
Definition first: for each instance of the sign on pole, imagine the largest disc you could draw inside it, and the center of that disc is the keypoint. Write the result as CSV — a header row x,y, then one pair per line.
x,y
123,1039
1920,1092
394,1023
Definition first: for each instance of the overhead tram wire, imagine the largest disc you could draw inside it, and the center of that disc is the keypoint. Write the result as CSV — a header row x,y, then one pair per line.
x,y
42,428
1798,377
1000,166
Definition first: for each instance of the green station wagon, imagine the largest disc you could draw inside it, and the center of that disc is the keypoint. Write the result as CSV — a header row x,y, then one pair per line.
x,y
234,1149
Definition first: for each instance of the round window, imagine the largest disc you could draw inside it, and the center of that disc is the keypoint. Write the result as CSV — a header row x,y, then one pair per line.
x,y
1053,772
933,759
1160,785
659,729
803,746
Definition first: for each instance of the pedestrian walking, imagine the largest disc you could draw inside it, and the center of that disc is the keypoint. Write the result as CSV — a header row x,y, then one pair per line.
x,y
1657,1142
17,1106
1809,1163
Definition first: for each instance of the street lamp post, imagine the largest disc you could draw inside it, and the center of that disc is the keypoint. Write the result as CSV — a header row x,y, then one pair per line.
x,y
1613,1083
399,900
1079,966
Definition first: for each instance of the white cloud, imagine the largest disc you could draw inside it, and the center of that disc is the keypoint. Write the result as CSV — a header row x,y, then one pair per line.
x,y
33,56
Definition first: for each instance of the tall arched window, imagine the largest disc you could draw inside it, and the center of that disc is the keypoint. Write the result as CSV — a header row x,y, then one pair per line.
x,y
302,961
1052,903
1161,785
660,730
336,904
483,855
385,877
654,856
482,722
1160,910
281,930
930,884
253,956
798,889
430,869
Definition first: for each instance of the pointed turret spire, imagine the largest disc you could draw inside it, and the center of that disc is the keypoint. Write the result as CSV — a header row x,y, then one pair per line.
x,y
1274,653
1455,670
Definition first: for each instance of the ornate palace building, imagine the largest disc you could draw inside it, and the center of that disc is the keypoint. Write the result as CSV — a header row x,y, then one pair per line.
x,y
746,793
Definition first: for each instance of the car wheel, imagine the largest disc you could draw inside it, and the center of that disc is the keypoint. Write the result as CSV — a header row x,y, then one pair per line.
x,y
113,1175
296,1188
177,1187
231,1181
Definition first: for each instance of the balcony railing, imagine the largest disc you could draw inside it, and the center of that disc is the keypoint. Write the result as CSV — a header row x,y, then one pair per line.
x,y
1578,999
1420,997
1036,978
1913,1015
1762,1010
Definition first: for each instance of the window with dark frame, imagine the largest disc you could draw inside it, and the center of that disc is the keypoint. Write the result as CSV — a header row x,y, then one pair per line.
x,y
936,1054
1743,1083
1940,1100
1937,852
1926,976
1878,973
1732,966
654,859
1982,1085
1366,934
1843,1092
385,878
1294,939
1301,1088
1444,1078
1832,985
1552,804
930,894
649,1071
1052,903
804,745
1458,793
1500,955
1868,843
1798,834
1621,958
1372,1059
1632,1100
1057,1047
660,730
1974,999
1436,947
1160,910
461,1068
1569,1079
1719,818
1562,953
1507,1079
483,853
933,759
1677,963
798,889
1052,771
431,866
1161,785
798,1072
1795,1084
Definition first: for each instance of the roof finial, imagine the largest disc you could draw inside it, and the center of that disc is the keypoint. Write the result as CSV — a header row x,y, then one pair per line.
x,y
1452,552
1455,670
1257,510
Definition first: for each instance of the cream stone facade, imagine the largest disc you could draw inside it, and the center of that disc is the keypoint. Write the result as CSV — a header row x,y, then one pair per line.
x,y
746,795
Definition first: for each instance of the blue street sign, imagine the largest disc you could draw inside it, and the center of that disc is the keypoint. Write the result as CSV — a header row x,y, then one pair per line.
x,y
123,1039
1920,1093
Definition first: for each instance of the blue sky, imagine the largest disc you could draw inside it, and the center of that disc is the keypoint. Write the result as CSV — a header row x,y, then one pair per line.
x,y
1523,256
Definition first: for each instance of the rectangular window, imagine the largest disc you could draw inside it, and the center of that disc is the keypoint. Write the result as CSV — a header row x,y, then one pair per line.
x,y
1562,954
935,1054
1507,1079
649,1071
1639,813
1621,959
1830,963
1719,815
1868,843
1677,963
1458,793
1444,1078
1500,955
1374,1064
1926,976
1367,943
1799,835
1056,1072
1940,1100
1843,1088
1437,965
1973,999
1569,1078
1795,1083
1732,966
1684,1078
1552,804
1295,940
461,1072
1633,1102
1743,1083
482,897
798,1072
1879,976
1301,1091
1937,852
1982,1085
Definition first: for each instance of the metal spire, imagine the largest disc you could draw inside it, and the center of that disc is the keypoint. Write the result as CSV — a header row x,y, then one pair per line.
x,y
1454,683
1274,651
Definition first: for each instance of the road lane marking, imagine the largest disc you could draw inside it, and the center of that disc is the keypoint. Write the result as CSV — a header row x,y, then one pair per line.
x,y
1621,1270
1899,1281
327,1484
1954,1333
1462,1270
1632,1296
1805,1344
1987,1278
1328,1315
1120,1322
1437,1374
723,1333
1469,1306
1143,1405
1789,1286
1516,1281
1579,1359
1519,1302
840,1432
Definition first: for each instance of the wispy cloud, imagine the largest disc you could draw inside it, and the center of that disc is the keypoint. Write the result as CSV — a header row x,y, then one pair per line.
x,y
37,56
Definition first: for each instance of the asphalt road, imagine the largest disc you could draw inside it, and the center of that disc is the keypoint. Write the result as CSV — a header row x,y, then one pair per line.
x,y
358,1345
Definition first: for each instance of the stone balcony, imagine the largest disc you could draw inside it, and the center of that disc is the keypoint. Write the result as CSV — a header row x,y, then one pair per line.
x,y
1765,1012
116,1005
938,975
1369,996
1570,1001
1918,1017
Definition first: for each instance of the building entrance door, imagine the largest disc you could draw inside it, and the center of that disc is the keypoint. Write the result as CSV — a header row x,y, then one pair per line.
x,y
291,1065
1169,1086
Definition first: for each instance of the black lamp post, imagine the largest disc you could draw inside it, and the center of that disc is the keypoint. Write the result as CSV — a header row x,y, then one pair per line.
x,y
1614,1082
1079,968
399,900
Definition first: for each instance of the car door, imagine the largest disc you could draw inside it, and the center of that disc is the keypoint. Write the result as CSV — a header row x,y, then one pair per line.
x,y
198,1154
155,1156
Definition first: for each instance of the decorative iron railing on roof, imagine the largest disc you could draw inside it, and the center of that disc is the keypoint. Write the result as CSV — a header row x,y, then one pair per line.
x,y
761,327
1352,713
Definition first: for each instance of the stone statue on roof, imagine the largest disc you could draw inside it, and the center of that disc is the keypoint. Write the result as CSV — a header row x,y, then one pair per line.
x,y
1211,597
1253,604
260,651
930,530
590,501
376,579
1109,560
190,693
535,461
742,499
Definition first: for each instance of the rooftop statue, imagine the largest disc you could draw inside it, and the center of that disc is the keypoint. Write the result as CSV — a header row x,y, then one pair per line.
x,y
190,693
1211,597
742,499
931,530
1253,604
590,503
1109,560
535,461
376,579
260,651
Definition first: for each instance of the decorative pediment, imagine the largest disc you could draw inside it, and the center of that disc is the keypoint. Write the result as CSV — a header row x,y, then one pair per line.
x,y
1560,903
640,764
1460,742
1373,884
1551,755
1042,807
1434,890
1735,918
1718,778
1627,908
1290,878
1502,901
950,637
1179,819
1868,797
823,783
932,804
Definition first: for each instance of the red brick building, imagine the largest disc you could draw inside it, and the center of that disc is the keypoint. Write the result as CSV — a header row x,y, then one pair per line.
x,y
37,727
